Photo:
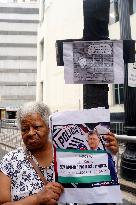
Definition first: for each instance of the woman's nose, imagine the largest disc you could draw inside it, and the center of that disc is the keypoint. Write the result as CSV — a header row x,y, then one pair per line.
x,y
31,131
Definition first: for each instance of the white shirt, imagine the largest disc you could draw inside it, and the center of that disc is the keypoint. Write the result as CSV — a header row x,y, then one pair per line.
x,y
24,179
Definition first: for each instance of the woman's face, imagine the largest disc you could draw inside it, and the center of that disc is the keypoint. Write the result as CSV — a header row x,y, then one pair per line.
x,y
34,131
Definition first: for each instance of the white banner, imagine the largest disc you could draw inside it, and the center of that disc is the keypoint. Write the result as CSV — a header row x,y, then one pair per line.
x,y
82,166
82,163
132,74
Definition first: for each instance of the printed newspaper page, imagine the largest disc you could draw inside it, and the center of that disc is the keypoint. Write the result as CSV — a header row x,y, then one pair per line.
x,y
91,62
82,164
132,74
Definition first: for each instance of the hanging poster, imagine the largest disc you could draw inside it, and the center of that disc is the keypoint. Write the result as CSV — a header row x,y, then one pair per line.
x,y
82,163
132,74
92,62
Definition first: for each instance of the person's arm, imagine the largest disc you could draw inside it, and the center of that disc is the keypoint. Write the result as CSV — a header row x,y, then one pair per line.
x,y
31,200
49,195
5,193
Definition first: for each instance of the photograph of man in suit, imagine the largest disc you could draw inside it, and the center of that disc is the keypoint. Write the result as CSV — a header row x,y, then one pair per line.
x,y
93,140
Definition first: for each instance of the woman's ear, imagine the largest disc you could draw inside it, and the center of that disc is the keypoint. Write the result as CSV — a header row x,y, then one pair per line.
x,y
49,133
49,129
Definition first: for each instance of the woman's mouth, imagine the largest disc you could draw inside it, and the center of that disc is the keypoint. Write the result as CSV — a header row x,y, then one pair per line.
x,y
31,141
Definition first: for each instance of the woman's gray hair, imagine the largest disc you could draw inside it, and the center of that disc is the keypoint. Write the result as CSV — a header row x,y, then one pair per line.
x,y
33,107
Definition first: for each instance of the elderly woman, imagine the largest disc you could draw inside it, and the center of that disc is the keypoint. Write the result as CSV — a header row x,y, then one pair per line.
x,y
19,182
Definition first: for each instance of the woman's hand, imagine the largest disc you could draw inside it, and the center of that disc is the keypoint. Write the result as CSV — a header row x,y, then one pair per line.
x,y
111,144
50,194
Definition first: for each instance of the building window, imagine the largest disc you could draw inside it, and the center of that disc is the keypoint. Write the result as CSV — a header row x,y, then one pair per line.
x,y
41,91
119,94
114,14
42,50
42,10
134,6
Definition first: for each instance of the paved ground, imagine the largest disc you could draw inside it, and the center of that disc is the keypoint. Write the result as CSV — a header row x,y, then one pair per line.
x,y
129,198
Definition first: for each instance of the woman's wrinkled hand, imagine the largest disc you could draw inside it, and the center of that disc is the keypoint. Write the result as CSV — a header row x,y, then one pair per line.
x,y
111,143
50,194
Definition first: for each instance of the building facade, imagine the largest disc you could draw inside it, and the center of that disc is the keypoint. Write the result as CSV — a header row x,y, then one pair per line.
x,y
19,1
26,1
64,20
18,55
55,25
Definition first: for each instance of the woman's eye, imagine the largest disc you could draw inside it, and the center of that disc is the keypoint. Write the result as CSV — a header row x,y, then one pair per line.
x,y
24,129
37,127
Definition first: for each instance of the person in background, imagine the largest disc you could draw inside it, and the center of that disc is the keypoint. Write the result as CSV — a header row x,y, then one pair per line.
x,y
20,184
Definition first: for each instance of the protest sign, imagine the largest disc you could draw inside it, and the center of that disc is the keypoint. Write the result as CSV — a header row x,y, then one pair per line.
x,y
91,62
80,166
132,74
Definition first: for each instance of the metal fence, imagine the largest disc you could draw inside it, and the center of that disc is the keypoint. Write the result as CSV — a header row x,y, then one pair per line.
x,y
10,136
8,124
117,127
